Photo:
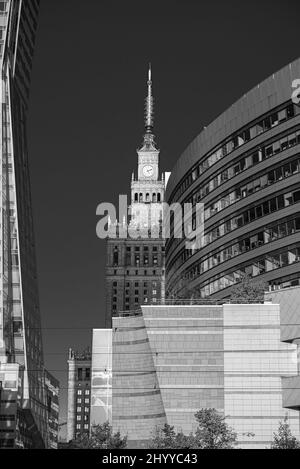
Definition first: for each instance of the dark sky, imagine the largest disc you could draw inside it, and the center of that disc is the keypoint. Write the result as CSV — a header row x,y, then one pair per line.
x,y
86,121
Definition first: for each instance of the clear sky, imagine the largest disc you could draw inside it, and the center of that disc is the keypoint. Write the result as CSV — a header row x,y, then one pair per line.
x,y
86,121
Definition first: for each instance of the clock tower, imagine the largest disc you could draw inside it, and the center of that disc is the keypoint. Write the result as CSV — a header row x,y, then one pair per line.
x,y
135,265
148,189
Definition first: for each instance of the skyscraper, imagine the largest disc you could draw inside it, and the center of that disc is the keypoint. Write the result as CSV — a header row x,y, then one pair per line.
x,y
20,324
135,264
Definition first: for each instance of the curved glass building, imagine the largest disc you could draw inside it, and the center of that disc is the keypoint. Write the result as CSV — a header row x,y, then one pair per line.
x,y
245,168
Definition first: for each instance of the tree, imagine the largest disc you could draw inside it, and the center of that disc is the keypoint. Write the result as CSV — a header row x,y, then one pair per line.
x,y
248,290
167,438
101,437
284,439
213,432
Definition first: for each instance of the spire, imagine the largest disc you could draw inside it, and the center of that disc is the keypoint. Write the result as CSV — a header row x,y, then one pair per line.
x,y
149,114
148,143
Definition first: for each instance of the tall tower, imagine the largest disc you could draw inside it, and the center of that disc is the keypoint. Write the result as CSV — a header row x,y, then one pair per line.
x,y
147,190
21,353
135,266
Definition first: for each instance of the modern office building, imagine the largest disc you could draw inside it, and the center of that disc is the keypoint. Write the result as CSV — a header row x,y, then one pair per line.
x,y
245,168
52,393
135,260
79,391
170,361
20,324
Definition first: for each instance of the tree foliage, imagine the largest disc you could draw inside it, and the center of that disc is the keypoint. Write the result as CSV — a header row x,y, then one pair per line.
x,y
284,439
248,290
212,433
101,437
167,438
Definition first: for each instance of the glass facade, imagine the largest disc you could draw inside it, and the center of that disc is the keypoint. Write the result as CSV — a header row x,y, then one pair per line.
x,y
20,335
101,387
249,185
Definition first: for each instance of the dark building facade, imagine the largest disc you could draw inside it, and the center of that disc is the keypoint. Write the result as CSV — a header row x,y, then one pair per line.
x,y
79,393
245,168
135,264
20,324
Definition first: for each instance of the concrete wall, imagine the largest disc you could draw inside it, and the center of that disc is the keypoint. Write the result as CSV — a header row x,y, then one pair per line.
x,y
171,361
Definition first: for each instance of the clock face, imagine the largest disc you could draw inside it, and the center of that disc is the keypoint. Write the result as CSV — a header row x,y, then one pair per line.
x,y
148,171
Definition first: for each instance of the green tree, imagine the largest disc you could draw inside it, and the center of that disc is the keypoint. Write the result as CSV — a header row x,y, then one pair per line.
x,y
101,437
284,439
213,432
167,438
248,290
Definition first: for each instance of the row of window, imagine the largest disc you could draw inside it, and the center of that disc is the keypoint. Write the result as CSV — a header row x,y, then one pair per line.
x,y
237,140
136,257
85,409
267,235
145,248
86,426
265,264
143,273
79,418
136,292
86,400
245,190
80,392
136,298
136,284
83,374
249,215
246,162
147,198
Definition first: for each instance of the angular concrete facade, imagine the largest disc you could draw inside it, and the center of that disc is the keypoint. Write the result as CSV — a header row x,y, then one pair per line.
x,y
170,361
289,300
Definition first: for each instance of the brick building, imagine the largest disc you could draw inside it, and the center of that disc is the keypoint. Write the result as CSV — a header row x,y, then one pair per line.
x,y
79,390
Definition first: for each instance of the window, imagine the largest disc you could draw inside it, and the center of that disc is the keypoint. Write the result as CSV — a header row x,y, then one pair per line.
x,y
296,196
79,392
78,409
79,374
87,373
116,257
